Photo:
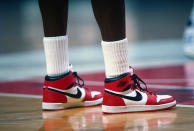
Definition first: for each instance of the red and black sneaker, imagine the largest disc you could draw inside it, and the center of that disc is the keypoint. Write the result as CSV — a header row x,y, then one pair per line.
x,y
66,91
124,94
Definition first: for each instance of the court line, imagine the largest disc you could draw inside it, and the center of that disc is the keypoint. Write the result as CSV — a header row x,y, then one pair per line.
x,y
181,105
20,95
167,80
170,87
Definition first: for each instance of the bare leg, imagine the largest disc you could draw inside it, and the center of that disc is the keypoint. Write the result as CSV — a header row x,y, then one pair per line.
x,y
54,16
110,16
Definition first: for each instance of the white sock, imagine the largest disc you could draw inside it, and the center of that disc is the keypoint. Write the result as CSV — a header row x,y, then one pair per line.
x,y
115,57
57,56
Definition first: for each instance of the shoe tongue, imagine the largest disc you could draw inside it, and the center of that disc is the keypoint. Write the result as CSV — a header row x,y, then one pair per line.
x,y
130,70
70,68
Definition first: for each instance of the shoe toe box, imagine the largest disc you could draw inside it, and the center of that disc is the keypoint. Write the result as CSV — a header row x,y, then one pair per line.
x,y
164,99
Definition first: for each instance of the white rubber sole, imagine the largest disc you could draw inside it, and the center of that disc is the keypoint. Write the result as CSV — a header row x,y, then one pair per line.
x,y
136,108
59,106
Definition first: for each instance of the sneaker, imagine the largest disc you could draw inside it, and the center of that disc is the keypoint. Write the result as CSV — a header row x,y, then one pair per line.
x,y
124,94
66,91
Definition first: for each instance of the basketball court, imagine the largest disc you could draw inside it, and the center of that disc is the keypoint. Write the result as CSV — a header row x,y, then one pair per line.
x,y
155,52
166,73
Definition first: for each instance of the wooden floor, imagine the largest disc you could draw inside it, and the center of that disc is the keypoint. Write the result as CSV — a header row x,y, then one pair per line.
x,y
26,114
20,105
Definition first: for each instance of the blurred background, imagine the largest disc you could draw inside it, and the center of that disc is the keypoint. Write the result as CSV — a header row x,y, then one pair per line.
x,y
21,24
154,29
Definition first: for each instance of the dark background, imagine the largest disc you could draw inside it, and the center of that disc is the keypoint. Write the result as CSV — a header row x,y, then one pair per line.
x,y
21,24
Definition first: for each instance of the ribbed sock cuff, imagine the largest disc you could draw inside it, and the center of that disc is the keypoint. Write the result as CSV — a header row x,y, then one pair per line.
x,y
115,57
57,56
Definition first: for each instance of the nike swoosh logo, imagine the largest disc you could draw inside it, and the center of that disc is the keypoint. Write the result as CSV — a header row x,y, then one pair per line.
x,y
78,95
138,96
